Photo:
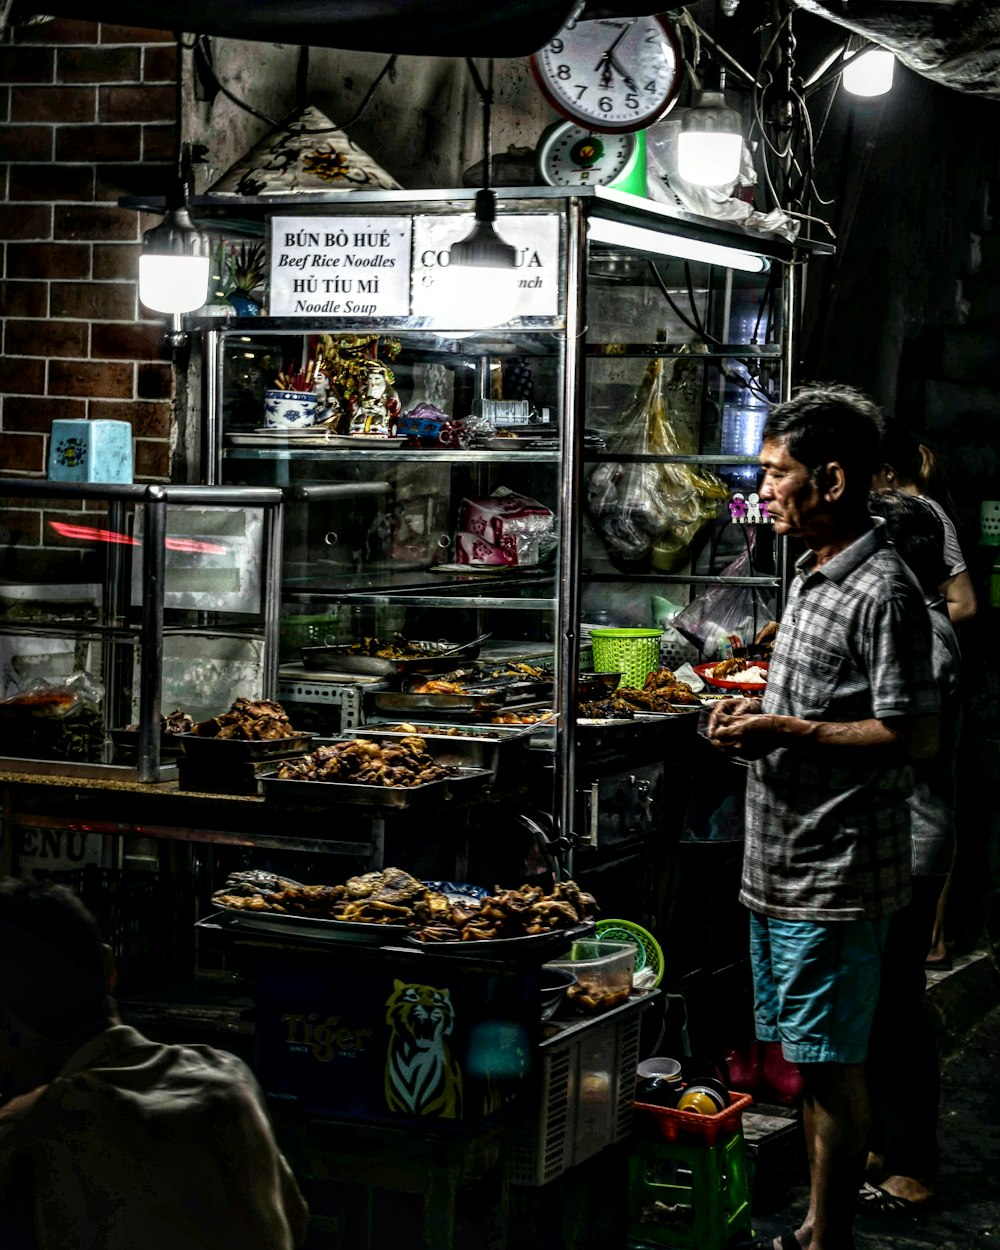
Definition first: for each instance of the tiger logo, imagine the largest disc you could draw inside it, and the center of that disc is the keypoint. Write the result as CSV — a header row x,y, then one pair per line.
x,y
421,1078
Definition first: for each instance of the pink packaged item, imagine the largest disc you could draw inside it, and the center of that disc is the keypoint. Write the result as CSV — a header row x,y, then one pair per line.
x,y
512,522
471,549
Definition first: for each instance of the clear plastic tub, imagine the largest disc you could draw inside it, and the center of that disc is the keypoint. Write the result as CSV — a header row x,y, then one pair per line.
x,y
603,972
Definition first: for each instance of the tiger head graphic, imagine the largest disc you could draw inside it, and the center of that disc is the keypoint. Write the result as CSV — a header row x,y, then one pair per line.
x,y
421,1078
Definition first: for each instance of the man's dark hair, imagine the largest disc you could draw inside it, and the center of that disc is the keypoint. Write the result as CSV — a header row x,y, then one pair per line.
x,y
830,422
53,974
917,533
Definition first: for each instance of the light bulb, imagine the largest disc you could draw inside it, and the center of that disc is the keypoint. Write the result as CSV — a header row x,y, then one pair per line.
x,y
710,144
868,73
173,284
709,160
173,267
478,286
470,297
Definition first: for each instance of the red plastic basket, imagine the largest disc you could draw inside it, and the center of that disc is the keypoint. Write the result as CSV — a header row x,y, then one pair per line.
x,y
675,1124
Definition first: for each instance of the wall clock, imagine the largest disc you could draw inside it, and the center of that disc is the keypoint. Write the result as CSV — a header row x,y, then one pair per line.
x,y
575,156
612,75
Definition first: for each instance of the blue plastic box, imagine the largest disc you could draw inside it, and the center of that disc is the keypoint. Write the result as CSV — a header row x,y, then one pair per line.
x,y
90,451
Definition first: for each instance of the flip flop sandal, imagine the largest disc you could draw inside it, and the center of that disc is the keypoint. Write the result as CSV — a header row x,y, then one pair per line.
x,y
874,1200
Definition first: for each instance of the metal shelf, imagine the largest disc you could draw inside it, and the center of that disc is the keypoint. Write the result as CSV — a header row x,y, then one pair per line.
x,y
394,455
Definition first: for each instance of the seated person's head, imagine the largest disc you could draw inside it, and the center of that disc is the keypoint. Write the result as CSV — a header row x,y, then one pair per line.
x,y
917,533
54,970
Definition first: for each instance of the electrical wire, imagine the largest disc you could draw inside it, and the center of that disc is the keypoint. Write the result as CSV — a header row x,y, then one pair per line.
x,y
202,49
678,312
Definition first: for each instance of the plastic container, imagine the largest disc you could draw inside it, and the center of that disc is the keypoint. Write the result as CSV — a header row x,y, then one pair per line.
x,y
635,653
603,972
677,1125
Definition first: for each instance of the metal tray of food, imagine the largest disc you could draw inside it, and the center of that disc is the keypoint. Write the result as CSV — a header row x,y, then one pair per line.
x,y
508,690
402,703
461,784
479,749
224,751
325,929
531,947
425,657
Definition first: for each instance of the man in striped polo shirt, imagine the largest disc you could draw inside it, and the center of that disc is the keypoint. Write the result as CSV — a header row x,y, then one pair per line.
x,y
851,700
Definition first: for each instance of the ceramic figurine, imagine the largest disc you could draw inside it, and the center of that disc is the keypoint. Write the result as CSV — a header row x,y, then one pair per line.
x,y
375,409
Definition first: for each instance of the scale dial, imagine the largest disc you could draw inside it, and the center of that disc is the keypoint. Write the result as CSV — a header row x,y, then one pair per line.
x,y
613,74
573,156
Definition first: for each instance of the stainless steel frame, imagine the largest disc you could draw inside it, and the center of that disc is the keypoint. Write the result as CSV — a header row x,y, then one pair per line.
x,y
154,501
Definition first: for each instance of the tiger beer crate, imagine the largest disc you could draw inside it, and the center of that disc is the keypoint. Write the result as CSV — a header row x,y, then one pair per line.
x,y
330,1019
584,1091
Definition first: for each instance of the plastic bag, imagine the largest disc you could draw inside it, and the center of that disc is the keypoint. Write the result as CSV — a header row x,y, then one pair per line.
x,y
724,612
733,202
54,721
43,699
648,511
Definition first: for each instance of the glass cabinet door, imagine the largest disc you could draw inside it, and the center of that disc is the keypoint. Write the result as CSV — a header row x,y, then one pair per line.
x,y
683,361
443,531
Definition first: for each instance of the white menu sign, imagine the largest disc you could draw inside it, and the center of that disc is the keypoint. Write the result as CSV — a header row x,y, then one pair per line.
x,y
340,266
535,238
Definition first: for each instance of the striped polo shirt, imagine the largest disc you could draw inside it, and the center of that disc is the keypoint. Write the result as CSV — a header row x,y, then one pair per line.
x,y
828,829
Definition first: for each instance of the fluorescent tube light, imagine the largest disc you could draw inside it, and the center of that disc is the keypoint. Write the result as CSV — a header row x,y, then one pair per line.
x,y
642,239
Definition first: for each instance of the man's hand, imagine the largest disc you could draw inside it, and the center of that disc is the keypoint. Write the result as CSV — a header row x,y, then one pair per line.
x,y
737,727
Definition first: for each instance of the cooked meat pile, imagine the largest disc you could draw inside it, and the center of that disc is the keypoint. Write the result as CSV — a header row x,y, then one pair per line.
x,y
521,669
438,686
520,718
248,719
661,692
511,913
388,897
726,668
592,996
392,762
392,896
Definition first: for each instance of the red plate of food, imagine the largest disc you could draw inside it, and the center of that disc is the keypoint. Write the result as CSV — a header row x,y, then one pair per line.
x,y
738,676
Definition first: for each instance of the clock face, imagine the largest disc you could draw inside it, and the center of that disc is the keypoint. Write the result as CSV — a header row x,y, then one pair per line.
x,y
574,156
612,75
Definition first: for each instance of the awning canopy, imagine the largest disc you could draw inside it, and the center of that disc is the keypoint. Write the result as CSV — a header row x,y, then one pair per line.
x,y
501,28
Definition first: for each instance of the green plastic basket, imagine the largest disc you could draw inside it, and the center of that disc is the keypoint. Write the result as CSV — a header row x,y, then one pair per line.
x,y
634,653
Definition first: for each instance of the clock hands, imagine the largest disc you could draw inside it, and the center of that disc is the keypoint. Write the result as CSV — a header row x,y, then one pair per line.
x,y
629,82
608,60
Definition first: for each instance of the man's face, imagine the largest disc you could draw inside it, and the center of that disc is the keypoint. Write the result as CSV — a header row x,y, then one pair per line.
x,y
793,498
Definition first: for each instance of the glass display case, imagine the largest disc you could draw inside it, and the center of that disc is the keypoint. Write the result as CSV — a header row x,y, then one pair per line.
x,y
590,461
130,603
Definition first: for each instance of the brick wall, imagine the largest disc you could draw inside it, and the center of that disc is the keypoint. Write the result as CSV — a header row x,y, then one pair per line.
x,y
87,114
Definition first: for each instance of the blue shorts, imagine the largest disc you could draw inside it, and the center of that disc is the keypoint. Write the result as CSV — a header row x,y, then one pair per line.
x,y
816,985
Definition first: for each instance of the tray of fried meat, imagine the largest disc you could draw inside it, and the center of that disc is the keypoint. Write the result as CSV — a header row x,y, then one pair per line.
x,y
374,909
377,657
468,746
396,773
252,729
526,923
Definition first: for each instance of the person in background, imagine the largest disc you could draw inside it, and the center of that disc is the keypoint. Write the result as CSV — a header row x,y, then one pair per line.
x,y
850,701
903,1056
109,1141
909,466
